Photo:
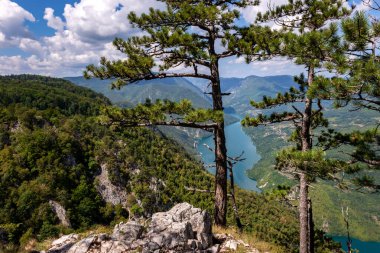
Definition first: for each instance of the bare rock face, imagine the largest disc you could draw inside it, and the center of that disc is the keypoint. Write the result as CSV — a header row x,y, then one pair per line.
x,y
185,221
63,244
182,229
128,232
60,211
110,193
102,243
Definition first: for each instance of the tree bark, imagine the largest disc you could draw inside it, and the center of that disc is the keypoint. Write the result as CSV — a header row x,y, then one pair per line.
x,y
306,140
311,227
303,209
306,145
234,205
220,209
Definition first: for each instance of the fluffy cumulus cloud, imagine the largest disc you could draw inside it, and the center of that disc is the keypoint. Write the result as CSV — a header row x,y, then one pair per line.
x,y
52,21
83,33
12,19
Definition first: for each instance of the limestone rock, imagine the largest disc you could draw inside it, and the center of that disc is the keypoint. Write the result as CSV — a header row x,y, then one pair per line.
x,y
128,232
101,243
199,220
63,244
110,193
181,229
60,211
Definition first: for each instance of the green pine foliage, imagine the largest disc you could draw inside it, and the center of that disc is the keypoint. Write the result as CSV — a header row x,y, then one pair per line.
x,y
358,89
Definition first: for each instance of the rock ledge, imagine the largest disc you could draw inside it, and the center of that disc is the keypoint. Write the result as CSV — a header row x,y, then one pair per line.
x,y
184,228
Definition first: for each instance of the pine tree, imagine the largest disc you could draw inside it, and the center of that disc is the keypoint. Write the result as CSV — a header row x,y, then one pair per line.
x,y
359,89
190,33
311,39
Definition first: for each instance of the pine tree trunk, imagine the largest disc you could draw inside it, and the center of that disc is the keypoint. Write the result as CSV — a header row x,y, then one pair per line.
x,y
303,209
220,209
311,227
234,205
306,145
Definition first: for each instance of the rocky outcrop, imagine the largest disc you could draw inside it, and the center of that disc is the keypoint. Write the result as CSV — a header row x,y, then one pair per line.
x,y
60,211
181,229
184,228
64,243
110,193
128,232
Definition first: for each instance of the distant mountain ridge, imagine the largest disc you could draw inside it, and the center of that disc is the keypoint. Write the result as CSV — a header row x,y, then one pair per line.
x,y
242,90
174,89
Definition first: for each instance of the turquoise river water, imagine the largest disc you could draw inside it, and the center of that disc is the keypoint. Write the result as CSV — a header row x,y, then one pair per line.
x,y
238,142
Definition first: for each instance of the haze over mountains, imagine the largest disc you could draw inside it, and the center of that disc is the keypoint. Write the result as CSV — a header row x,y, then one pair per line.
x,y
174,89
242,90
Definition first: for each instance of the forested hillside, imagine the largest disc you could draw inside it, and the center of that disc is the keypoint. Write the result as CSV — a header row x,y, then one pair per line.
x,y
55,154
42,93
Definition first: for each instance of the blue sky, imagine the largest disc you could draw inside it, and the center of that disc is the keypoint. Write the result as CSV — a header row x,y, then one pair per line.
x,y
60,37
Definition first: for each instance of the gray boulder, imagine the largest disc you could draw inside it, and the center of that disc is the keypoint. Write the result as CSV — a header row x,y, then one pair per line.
x,y
181,224
63,244
102,243
181,229
128,232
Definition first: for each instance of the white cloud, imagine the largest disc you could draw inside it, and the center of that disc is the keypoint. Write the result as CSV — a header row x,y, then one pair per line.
x,y
276,66
103,20
52,21
31,46
13,65
2,37
12,18
82,36
250,13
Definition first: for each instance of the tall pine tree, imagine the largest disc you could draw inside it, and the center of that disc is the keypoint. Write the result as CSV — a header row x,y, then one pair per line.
x,y
311,39
196,35
359,89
